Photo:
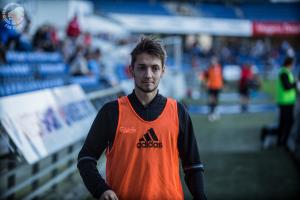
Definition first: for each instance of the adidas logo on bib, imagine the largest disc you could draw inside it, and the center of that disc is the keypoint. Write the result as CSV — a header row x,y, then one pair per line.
x,y
149,140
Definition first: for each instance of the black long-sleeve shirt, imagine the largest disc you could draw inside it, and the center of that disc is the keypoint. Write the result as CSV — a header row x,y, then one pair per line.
x,y
102,134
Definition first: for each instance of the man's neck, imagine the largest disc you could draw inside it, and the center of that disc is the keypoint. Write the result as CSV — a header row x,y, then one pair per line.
x,y
145,98
289,68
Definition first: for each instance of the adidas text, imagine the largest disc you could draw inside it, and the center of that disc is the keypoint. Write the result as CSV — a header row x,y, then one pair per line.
x,y
149,144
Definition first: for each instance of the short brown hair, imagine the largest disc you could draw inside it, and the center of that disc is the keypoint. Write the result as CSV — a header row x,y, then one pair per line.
x,y
288,61
151,46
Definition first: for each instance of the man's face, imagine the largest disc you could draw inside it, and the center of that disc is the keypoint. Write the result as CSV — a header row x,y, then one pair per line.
x,y
147,72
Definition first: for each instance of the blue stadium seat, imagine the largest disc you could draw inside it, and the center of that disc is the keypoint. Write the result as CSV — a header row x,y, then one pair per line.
x,y
29,71
88,83
15,70
51,69
27,86
33,57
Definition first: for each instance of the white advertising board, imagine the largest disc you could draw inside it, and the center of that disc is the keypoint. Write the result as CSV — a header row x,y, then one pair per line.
x,y
43,122
183,25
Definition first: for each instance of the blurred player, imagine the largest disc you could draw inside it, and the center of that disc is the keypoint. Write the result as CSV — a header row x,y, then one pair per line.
x,y
214,81
286,99
246,78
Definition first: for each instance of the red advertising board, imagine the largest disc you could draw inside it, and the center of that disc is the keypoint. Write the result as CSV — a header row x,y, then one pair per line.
x,y
276,28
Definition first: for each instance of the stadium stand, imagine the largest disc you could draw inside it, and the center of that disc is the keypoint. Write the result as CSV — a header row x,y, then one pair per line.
x,y
132,7
29,71
271,11
251,11
217,11
35,70
33,57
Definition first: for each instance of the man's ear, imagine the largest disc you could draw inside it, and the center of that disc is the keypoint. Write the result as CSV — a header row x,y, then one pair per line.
x,y
163,70
131,70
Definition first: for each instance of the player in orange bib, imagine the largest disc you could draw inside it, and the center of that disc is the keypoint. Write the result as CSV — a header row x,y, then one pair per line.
x,y
145,135
214,81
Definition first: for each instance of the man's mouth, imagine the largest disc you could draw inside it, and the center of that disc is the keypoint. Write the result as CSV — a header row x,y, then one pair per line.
x,y
148,82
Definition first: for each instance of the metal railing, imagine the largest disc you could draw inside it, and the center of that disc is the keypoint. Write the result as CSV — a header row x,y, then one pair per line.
x,y
19,180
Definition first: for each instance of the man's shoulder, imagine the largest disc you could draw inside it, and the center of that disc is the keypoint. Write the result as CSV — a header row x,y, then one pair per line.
x,y
181,106
110,106
283,74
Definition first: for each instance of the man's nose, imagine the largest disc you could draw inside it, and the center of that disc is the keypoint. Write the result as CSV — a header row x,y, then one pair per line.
x,y
148,72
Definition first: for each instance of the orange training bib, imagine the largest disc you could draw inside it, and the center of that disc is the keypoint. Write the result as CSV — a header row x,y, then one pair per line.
x,y
144,160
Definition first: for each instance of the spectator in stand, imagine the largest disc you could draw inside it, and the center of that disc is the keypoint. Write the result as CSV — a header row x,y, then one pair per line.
x,y
225,55
24,43
68,47
258,49
38,37
94,63
45,38
53,36
96,66
73,28
87,39
78,63
195,54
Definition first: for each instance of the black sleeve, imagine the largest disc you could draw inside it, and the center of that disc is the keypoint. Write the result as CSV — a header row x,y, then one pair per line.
x,y
287,85
188,152
101,134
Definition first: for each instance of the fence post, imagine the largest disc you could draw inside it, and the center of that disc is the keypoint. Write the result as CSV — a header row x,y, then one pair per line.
x,y
11,180
35,184
54,171
70,150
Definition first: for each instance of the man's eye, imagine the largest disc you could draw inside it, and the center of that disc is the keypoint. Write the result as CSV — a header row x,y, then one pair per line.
x,y
155,68
141,67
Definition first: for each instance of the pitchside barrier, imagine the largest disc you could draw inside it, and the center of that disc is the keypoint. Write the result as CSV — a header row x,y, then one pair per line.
x,y
44,131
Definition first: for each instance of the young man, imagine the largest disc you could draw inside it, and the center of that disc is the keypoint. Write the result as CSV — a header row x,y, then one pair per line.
x,y
286,99
214,81
246,78
144,135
